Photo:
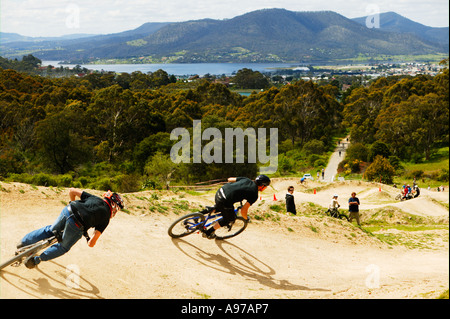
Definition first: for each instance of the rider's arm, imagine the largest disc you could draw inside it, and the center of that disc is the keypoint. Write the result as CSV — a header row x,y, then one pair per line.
x,y
74,192
244,210
93,241
231,179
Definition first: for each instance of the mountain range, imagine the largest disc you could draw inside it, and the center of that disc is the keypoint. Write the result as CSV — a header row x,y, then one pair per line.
x,y
269,35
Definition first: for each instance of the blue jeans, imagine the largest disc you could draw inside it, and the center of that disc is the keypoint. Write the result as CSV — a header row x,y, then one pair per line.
x,y
71,234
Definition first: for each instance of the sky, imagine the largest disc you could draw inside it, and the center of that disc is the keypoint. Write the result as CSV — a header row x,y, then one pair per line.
x,y
62,17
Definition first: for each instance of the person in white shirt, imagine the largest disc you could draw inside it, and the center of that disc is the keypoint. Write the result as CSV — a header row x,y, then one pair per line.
x,y
334,205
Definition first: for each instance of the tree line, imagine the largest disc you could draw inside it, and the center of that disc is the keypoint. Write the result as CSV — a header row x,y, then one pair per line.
x,y
107,130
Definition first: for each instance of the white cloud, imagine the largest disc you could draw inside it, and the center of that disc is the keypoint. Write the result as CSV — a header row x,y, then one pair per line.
x,y
50,17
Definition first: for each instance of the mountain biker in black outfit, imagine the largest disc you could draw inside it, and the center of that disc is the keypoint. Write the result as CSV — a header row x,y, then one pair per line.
x,y
236,190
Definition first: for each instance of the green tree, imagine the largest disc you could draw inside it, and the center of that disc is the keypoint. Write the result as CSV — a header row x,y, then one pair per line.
x,y
357,151
111,120
249,79
378,148
360,113
160,168
380,170
62,145
31,60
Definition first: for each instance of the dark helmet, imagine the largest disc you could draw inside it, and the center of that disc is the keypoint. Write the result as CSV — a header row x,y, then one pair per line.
x,y
262,180
114,197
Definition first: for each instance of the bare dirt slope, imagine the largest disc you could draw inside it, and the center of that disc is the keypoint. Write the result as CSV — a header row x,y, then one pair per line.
x,y
292,257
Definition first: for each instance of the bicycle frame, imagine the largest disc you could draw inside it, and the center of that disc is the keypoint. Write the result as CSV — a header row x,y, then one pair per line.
x,y
212,217
28,251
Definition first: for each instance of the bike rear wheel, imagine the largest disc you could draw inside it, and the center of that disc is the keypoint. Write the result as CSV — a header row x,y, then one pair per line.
x,y
344,217
234,229
186,225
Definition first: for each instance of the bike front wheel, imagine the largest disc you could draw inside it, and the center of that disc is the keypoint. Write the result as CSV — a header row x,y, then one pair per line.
x,y
233,229
28,251
186,225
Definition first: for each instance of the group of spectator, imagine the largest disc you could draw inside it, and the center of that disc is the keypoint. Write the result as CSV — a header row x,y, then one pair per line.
x,y
353,204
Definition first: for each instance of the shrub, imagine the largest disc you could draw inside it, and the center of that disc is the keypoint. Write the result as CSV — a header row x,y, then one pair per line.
x,y
313,158
83,180
378,148
103,184
64,180
127,183
357,151
395,162
349,166
443,175
320,163
380,169
21,178
417,173
43,179
314,147
284,164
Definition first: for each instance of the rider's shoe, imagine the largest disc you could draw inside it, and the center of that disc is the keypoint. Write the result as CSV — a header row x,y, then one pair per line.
x,y
211,236
207,210
210,233
30,262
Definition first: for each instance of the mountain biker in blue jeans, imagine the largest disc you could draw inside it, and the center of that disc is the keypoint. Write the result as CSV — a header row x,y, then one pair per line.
x,y
73,222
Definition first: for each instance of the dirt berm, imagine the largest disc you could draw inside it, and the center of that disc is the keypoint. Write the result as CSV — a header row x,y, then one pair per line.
x,y
278,256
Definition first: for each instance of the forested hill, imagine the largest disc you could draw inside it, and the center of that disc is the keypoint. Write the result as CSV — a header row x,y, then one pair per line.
x,y
264,35
109,131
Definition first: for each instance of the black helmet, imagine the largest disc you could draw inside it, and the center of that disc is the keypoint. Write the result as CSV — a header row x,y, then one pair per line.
x,y
115,198
262,180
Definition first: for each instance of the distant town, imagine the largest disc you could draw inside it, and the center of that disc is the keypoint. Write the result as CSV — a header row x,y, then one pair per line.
x,y
343,76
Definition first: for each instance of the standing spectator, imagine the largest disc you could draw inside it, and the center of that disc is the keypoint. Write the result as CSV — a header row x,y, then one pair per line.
x,y
416,191
290,203
318,174
353,208
323,173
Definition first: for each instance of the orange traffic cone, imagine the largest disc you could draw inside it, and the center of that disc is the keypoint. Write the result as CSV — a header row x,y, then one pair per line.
x,y
274,197
314,190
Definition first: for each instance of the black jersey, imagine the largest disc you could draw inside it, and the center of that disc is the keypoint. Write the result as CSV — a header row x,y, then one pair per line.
x,y
93,210
243,188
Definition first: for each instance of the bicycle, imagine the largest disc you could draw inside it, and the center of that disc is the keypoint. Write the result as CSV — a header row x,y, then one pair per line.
x,y
401,197
336,214
199,222
26,252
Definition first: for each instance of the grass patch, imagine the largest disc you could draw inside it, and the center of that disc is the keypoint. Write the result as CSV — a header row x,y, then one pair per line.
x,y
443,295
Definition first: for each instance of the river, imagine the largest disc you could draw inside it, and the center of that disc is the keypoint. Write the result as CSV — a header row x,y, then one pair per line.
x,y
180,69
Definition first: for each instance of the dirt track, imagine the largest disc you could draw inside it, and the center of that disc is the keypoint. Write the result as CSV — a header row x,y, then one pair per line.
x,y
135,258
